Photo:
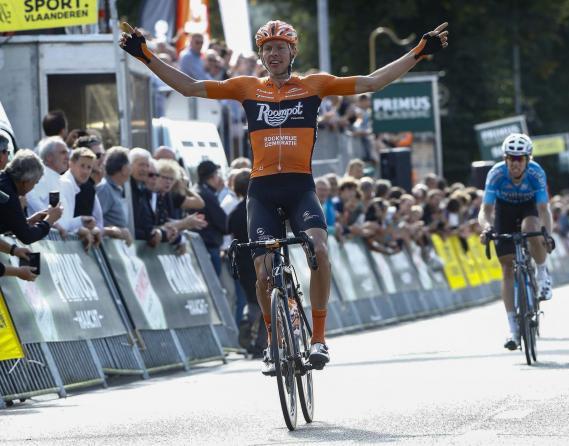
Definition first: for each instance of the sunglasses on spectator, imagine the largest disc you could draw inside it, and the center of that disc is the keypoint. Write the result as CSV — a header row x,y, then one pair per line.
x,y
152,175
517,158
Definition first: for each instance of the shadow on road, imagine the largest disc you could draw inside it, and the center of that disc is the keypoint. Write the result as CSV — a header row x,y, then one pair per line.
x,y
320,432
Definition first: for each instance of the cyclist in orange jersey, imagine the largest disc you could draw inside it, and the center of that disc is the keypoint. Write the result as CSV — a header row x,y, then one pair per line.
x,y
282,111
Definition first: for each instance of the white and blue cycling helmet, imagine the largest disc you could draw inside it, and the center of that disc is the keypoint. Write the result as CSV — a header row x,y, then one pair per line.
x,y
517,144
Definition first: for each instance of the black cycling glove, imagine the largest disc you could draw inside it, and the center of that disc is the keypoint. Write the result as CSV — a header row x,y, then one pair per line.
x,y
136,46
427,45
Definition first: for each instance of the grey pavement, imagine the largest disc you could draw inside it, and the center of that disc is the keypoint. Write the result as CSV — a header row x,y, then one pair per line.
x,y
438,381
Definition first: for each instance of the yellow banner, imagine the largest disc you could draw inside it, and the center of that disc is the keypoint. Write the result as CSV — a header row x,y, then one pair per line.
x,y
452,269
466,261
494,263
10,347
19,15
550,145
477,251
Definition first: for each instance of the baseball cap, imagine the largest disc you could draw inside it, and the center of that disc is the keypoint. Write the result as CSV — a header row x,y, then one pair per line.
x,y
206,169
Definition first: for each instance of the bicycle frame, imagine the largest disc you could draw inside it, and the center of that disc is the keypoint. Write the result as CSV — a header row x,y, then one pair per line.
x,y
523,265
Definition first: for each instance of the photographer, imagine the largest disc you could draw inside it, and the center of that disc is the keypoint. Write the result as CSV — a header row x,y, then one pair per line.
x,y
19,178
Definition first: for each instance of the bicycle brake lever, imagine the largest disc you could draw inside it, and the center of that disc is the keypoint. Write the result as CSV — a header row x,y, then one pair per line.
x,y
488,240
549,241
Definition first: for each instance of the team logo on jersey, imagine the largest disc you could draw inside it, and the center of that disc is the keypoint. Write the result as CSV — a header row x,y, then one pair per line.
x,y
307,215
276,118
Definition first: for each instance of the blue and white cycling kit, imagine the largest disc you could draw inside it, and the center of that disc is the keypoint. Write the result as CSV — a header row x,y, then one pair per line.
x,y
514,202
499,185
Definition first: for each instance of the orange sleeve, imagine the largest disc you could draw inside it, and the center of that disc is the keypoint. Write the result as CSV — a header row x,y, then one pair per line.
x,y
326,84
233,88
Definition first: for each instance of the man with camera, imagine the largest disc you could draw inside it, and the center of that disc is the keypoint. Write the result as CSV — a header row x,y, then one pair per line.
x,y
19,178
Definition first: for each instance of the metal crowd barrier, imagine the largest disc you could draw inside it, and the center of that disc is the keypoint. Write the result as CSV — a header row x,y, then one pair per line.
x,y
87,315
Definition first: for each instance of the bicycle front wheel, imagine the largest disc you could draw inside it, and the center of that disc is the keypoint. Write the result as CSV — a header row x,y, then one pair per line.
x,y
304,381
283,353
534,321
524,318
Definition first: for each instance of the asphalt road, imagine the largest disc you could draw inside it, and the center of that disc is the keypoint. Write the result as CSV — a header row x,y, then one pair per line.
x,y
442,381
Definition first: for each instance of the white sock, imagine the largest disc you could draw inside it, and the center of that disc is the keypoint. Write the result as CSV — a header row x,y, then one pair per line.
x,y
541,269
512,323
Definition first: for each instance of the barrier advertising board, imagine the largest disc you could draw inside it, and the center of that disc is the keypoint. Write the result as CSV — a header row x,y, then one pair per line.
x,y
452,269
10,347
160,289
67,300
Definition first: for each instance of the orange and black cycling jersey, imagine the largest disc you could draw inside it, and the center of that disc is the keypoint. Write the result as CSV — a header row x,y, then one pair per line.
x,y
282,121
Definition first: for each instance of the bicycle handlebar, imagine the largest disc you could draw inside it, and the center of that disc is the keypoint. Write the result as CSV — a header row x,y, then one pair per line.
x,y
273,244
517,236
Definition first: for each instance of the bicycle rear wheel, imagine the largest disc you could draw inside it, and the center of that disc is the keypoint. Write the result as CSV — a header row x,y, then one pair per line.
x,y
524,318
304,381
282,352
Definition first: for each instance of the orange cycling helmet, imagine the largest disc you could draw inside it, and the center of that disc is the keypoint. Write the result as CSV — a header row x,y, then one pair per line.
x,y
276,30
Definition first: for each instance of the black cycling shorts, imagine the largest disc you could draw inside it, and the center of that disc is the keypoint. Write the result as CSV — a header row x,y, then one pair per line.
x,y
295,193
508,217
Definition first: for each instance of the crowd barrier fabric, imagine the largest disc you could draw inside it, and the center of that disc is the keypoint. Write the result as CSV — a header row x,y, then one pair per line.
x,y
161,289
226,329
298,259
66,301
346,285
453,271
10,347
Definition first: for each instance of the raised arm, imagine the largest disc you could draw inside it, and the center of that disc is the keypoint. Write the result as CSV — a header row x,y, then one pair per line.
x,y
134,43
430,43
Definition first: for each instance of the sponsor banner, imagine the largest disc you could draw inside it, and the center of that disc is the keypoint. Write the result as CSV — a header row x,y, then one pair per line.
x,y
452,269
18,15
404,107
494,266
490,135
549,145
405,274
160,289
352,271
302,270
384,272
68,301
466,260
10,347
478,253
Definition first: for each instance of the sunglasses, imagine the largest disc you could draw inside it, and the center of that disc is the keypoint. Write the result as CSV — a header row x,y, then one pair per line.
x,y
518,158
152,175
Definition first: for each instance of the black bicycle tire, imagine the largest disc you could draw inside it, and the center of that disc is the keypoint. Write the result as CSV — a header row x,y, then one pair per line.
x,y
287,399
534,322
523,318
305,383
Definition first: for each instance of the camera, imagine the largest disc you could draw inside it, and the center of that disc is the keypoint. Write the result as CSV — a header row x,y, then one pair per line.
x,y
53,199
34,261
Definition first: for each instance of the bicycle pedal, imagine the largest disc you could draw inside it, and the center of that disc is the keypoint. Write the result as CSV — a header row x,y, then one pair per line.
x,y
315,366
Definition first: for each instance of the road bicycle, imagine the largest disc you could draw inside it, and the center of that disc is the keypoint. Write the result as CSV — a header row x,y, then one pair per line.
x,y
290,329
526,300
